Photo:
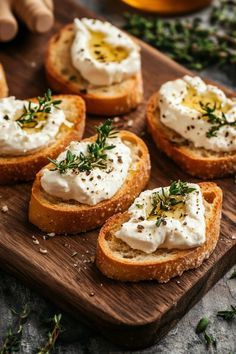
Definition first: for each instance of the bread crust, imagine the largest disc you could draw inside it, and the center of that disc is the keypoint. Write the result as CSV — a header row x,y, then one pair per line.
x,y
24,168
175,262
53,215
190,160
3,83
111,100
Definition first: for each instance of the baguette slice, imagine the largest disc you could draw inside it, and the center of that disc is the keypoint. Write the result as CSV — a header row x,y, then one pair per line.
x,y
117,260
103,100
197,162
24,168
52,214
3,83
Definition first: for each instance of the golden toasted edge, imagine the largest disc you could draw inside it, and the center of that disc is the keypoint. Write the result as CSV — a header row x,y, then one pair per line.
x,y
121,103
193,164
3,83
24,168
131,270
53,215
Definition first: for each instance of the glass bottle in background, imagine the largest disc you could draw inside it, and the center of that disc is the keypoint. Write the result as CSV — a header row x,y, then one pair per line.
x,y
168,7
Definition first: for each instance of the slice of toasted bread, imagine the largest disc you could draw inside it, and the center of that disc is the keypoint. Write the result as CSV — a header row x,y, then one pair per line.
x,y
103,100
24,168
119,261
52,214
3,83
197,162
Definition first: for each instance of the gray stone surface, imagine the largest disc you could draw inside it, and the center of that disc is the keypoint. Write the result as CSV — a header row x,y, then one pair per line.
x,y
78,339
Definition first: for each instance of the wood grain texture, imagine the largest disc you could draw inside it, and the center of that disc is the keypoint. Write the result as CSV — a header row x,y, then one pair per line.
x,y
133,315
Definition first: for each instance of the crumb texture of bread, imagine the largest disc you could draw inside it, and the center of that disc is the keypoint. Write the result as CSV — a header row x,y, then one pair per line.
x,y
52,214
117,260
24,168
197,162
111,100
3,83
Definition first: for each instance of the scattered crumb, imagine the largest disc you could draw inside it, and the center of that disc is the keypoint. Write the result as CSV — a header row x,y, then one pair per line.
x,y
87,251
233,237
43,250
130,123
74,254
177,281
4,209
45,237
33,64
91,294
51,234
116,119
35,241
101,284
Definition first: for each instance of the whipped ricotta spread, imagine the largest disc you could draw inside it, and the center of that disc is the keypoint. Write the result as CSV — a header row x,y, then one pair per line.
x,y
102,53
16,140
183,226
180,108
94,186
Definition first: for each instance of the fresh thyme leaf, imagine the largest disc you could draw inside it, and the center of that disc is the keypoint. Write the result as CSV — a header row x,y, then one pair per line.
x,y
201,329
209,339
233,275
96,152
29,117
216,121
227,315
139,206
52,335
12,341
202,325
164,201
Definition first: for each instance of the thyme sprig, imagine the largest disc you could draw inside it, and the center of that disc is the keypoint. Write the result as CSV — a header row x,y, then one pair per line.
x,y
53,335
165,200
191,42
227,315
45,104
12,341
201,329
216,121
96,152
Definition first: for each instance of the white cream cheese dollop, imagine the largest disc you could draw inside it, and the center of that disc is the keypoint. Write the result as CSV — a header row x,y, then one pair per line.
x,y
14,140
187,121
94,186
100,69
142,233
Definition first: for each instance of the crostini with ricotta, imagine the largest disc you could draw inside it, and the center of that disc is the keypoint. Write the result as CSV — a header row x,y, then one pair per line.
x,y
90,181
96,60
195,124
165,232
35,129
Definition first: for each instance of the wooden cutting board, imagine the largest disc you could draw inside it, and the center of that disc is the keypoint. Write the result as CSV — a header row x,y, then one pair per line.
x,y
132,315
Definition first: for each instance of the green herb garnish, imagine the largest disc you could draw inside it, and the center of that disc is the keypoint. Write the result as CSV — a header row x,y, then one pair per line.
x,y
201,329
164,201
29,118
191,42
227,315
233,275
12,341
216,121
96,153
52,335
